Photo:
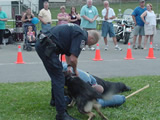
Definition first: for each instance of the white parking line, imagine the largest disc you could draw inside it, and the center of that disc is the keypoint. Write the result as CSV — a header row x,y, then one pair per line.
x,y
81,61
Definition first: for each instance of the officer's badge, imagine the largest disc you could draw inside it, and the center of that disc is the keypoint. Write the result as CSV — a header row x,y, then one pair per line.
x,y
82,44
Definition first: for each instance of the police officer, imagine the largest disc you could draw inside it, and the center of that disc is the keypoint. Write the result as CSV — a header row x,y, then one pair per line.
x,y
68,39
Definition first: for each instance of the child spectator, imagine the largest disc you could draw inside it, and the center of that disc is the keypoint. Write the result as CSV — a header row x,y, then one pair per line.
x,y
31,34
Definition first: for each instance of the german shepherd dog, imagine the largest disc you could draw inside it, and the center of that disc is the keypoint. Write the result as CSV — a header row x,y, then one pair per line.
x,y
84,95
111,88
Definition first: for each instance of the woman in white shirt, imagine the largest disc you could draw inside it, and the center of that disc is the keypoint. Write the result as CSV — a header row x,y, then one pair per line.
x,y
149,18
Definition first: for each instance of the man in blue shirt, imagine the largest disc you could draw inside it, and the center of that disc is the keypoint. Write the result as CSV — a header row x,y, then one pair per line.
x,y
68,39
89,14
3,19
139,24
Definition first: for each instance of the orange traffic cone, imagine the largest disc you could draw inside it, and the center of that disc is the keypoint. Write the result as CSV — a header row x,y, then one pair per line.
x,y
151,53
19,56
129,53
97,54
63,58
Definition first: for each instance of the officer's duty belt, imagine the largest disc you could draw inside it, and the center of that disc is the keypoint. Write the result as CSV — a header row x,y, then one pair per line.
x,y
48,44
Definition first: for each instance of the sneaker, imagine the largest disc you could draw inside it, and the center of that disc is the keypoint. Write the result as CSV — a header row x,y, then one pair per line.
x,y
64,116
83,49
145,48
134,47
118,48
106,48
91,48
140,47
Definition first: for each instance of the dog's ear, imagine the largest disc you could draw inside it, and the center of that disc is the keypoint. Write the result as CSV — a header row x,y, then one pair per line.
x,y
69,76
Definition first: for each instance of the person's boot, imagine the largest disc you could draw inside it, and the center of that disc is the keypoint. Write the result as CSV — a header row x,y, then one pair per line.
x,y
67,100
64,116
52,103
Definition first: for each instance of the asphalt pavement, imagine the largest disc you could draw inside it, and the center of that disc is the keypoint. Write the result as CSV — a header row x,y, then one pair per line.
x,y
113,64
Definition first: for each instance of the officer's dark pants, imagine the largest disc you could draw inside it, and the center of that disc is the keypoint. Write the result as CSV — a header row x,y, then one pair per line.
x,y
54,69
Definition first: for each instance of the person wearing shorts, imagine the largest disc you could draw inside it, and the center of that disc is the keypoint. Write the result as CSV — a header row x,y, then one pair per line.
x,y
150,24
139,24
107,25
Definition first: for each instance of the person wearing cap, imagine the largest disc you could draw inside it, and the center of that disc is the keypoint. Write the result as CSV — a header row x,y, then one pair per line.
x,y
139,24
68,39
3,19
45,17
63,17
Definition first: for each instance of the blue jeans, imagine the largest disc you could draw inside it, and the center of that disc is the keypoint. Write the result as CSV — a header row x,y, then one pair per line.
x,y
116,100
54,69
45,27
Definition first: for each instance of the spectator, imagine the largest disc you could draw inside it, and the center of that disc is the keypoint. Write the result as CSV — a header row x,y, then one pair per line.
x,y
107,25
150,24
139,24
74,17
45,17
63,17
3,19
89,14
31,34
27,16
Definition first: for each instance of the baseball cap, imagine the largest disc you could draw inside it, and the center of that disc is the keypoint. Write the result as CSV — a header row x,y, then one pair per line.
x,y
141,0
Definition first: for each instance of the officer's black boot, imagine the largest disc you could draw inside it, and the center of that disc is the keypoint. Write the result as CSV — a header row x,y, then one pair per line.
x,y
52,103
64,116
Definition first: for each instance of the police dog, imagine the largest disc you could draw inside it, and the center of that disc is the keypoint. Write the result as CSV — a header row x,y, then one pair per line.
x,y
84,95
111,88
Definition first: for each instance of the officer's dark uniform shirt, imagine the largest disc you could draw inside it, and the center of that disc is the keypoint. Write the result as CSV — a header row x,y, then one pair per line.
x,y
70,38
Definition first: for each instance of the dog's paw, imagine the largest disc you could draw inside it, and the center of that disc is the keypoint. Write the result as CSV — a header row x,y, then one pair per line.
x,y
70,105
92,116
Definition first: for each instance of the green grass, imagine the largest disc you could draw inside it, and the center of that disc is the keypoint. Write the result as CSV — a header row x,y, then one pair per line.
x,y
30,101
